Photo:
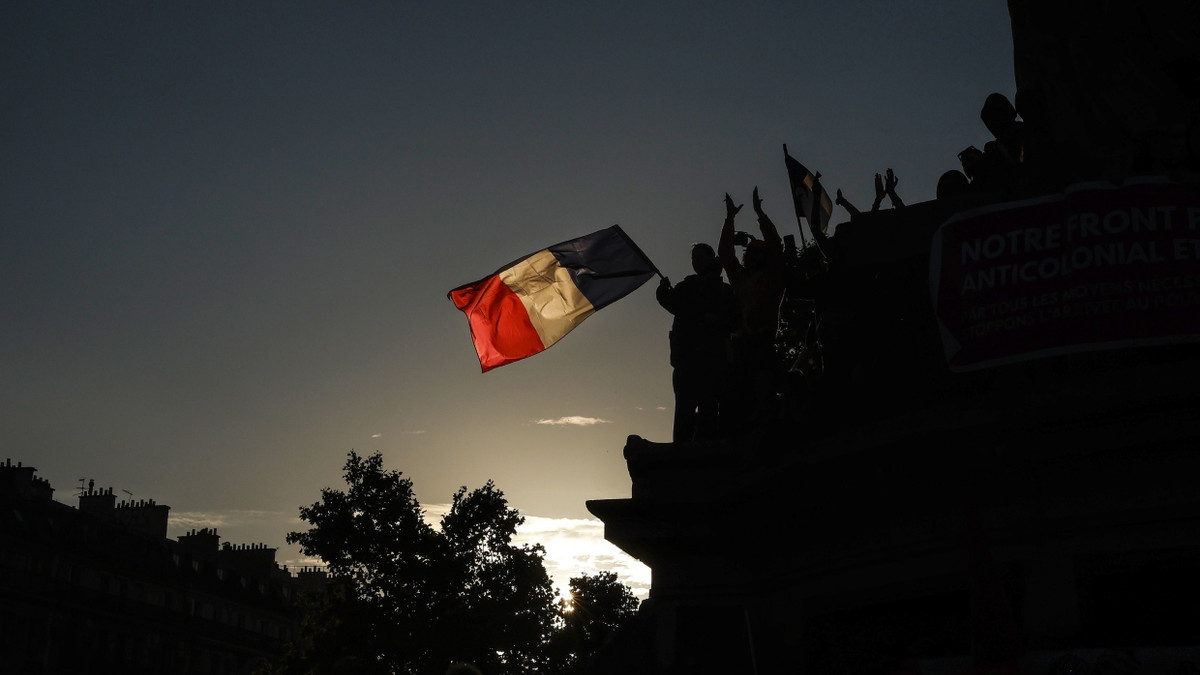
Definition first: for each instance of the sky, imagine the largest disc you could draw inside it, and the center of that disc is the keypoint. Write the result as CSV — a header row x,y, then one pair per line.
x,y
227,230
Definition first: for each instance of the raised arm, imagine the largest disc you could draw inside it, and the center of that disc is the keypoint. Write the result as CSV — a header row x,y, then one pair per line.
x,y
890,189
879,193
725,252
845,204
665,294
769,233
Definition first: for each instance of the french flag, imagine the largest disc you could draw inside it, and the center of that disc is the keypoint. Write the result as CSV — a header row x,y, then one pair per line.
x,y
525,307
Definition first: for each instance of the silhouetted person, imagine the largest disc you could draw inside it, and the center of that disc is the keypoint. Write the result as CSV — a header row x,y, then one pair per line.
x,y
1102,87
1000,118
705,312
982,170
952,184
1005,154
837,319
1000,170
758,281
795,337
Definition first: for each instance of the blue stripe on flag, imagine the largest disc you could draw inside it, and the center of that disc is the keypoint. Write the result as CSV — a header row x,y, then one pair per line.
x,y
604,265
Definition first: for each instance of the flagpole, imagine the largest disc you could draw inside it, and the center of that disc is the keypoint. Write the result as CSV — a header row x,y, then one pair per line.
x,y
792,188
635,247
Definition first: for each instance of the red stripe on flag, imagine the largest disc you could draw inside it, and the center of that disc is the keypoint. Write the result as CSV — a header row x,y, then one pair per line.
x,y
500,325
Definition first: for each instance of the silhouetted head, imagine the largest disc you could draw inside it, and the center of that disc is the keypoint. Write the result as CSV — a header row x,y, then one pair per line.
x,y
998,114
953,183
704,260
755,255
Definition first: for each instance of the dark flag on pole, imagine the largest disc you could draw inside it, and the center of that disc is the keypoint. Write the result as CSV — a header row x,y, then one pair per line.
x,y
808,197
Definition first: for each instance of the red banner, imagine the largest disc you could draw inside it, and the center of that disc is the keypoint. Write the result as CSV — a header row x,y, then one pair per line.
x,y
1096,267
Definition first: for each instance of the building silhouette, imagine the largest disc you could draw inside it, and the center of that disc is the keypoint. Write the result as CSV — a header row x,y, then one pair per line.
x,y
102,589
1002,477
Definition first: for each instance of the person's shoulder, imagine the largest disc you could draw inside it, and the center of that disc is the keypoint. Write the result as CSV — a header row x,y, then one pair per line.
x,y
706,279
721,287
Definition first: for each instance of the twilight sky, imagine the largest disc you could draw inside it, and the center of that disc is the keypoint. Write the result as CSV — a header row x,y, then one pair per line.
x,y
227,230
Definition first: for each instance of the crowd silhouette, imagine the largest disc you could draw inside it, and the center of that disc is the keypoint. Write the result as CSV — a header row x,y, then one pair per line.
x,y
748,352
758,348
788,335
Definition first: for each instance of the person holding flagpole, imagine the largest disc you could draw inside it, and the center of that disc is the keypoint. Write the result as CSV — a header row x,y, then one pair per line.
x,y
706,313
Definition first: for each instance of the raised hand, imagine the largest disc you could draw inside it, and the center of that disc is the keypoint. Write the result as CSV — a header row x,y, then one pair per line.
x,y
891,189
730,209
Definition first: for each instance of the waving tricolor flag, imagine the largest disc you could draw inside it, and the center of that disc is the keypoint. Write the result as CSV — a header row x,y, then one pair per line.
x,y
529,305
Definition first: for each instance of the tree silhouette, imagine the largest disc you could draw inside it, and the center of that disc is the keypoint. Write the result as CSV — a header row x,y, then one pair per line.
x,y
409,598
498,610
598,607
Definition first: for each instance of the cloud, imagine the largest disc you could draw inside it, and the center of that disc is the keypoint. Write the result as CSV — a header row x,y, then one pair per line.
x,y
189,520
376,435
434,512
574,547
574,421
415,432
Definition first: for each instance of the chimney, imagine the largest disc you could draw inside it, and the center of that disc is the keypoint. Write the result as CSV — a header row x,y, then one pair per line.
x,y
19,482
144,516
201,544
100,503
251,560
312,578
